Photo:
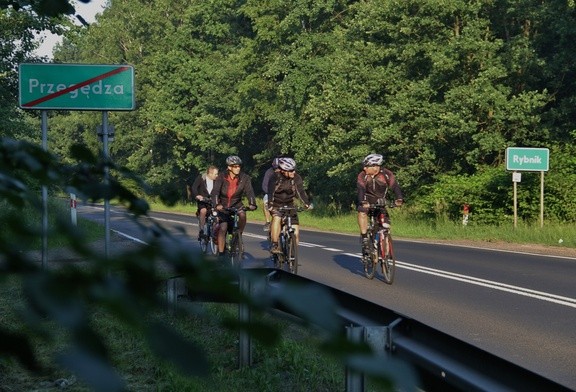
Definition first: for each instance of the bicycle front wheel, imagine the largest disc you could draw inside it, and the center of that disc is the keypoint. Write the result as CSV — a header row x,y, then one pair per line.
x,y
370,260
235,249
292,254
203,244
387,260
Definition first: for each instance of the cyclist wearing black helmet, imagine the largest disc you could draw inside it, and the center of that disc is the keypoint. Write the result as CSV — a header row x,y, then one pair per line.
x,y
285,186
229,189
372,184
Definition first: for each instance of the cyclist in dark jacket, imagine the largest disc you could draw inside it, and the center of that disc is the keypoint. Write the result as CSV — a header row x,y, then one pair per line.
x,y
229,189
267,175
283,187
372,184
200,191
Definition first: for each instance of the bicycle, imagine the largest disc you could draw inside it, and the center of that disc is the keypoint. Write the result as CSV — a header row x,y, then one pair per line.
x,y
209,238
234,244
381,250
288,259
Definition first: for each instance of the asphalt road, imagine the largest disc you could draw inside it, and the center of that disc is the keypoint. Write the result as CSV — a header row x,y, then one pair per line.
x,y
518,306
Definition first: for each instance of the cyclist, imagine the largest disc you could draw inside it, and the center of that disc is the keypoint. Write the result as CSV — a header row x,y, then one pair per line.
x,y
229,188
271,170
284,186
372,184
200,191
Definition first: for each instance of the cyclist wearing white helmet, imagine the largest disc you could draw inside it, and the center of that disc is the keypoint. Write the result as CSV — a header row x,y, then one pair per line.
x,y
372,184
229,189
265,180
283,188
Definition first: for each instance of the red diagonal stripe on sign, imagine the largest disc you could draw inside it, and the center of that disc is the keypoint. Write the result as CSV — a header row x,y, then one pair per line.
x,y
75,87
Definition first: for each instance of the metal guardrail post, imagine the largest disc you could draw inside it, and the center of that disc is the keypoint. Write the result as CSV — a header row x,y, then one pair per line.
x,y
171,294
175,287
354,379
245,341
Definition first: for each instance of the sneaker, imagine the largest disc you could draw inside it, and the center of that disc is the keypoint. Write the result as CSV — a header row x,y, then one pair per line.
x,y
266,226
200,235
275,249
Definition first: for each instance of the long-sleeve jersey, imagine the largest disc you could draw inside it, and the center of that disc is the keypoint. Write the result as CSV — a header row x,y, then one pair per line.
x,y
283,190
269,173
201,185
371,189
229,191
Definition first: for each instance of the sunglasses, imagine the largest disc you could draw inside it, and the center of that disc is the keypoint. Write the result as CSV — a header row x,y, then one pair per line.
x,y
233,166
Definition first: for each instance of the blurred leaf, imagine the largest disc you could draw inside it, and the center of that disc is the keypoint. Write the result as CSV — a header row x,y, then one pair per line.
x,y
97,373
320,311
18,346
169,345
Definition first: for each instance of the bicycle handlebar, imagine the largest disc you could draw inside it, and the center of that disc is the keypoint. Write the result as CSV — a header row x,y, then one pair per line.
x,y
289,209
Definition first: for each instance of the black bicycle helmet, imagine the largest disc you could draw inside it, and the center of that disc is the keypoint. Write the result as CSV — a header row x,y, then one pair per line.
x,y
233,160
373,160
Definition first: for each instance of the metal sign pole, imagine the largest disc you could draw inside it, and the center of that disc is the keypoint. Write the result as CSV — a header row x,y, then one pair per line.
x,y
44,127
106,183
515,202
541,199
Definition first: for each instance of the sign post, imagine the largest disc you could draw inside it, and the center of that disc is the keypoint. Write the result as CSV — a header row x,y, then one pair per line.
x,y
528,159
101,87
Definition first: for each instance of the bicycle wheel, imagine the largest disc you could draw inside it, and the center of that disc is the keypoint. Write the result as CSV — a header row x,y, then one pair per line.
x,y
203,244
284,242
292,254
212,245
387,261
370,260
235,250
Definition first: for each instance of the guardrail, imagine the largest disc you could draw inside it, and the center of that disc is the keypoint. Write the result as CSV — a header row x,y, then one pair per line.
x,y
442,362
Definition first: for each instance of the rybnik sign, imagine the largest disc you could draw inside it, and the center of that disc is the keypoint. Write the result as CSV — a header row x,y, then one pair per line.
x,y
527,159
76,87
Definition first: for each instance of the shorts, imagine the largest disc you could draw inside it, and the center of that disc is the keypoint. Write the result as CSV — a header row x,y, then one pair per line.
x,y
293,214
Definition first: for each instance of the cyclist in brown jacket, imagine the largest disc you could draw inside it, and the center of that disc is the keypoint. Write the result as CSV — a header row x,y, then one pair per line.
x,y
285,186
372,184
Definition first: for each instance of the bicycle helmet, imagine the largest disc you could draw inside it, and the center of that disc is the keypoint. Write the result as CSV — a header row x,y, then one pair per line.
x,y
275,163
233,160
373,160
287,164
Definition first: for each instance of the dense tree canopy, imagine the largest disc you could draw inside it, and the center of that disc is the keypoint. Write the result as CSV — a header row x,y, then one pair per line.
x,y
441,88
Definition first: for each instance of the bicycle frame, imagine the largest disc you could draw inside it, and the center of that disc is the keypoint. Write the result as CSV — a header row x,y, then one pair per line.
x,y
288,259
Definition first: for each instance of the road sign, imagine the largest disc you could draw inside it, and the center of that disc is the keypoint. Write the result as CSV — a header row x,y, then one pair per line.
x,y
527,159
76,86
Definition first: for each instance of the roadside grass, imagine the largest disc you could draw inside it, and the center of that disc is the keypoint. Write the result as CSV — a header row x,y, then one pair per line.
x,y
294,364
404,225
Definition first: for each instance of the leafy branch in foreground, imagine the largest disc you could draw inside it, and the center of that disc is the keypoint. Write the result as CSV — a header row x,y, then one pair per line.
x,y
127,287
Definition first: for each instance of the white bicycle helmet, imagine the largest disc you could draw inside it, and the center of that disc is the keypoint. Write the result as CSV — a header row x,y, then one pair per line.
x,y
373,160
275,163
233,160
287,164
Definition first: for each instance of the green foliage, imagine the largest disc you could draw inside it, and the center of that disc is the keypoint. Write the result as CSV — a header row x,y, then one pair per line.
x,y
438,87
